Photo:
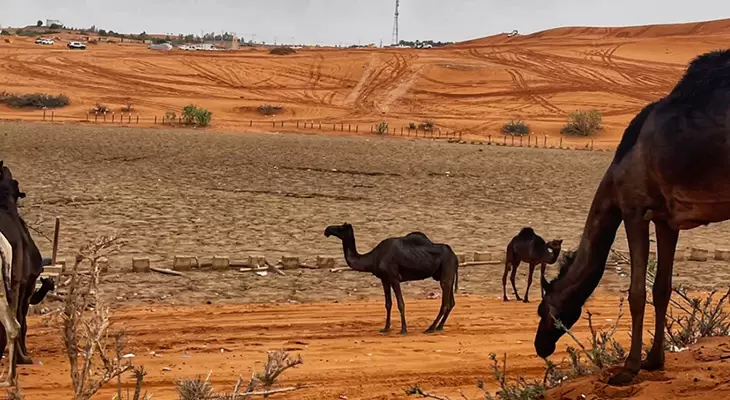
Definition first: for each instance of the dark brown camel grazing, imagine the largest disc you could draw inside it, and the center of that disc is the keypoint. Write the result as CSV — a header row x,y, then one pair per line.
x,y
13,259
26,279
671,168
400,259
529,247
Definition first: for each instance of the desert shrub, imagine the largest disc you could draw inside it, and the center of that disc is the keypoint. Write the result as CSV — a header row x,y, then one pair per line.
x,y
35,100
583,123
127,107
412,126
269,109
99,108
516,128
261,383
102,32
699,318
4,32
15,394
427,125
169,118
381,128
197,116
282,51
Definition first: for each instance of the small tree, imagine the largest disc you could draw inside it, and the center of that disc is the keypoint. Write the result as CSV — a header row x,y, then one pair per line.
x,y
39,23
197,116
583,123
516,128
102,32
382,128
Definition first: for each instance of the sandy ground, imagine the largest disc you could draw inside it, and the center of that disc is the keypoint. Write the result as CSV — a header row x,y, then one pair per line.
x,y
172,192
475,87
207,193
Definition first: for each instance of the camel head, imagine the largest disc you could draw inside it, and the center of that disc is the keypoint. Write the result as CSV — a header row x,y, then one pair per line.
x,y
8,185
339,231
553,248
47,284
555,305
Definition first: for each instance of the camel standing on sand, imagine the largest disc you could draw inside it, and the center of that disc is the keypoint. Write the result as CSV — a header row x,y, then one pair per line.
x,y
12,263
400,259
529,247
671,168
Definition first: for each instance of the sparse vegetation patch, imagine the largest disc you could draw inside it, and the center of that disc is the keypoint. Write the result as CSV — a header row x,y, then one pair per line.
x,y
583,123
282,51
516,128
34,100
270,109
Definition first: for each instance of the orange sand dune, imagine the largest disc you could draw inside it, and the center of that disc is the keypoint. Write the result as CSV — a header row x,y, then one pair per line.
x,y
475,86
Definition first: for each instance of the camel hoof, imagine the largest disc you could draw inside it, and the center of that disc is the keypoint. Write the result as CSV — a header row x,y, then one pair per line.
x,y
526,301
403,332
439,328
623,378
385,330
430,330
24,360
505,299
652,365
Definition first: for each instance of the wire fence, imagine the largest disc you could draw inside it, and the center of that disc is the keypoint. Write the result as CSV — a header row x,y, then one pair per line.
x,y
381,129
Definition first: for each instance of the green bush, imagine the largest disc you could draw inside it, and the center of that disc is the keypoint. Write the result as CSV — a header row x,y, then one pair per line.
x,y
382,128
282,51
197,116
4,32
583,123
34,100
516,128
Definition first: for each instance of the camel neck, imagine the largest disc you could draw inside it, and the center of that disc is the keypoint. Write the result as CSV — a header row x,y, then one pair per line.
x,y
352,257
599,233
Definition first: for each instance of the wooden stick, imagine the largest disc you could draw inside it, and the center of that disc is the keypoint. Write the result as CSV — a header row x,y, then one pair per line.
x,y
339,269
308,266
56,231
274,269
166,271
475,263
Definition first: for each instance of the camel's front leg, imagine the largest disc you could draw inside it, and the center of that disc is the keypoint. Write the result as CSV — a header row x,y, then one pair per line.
x,y
637,232
529,283
542,279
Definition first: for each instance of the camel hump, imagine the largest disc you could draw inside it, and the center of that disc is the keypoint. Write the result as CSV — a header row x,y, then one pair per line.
x,y
526,232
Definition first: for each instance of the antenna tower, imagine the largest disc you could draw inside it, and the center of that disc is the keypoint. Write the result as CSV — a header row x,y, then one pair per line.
x,y
395,24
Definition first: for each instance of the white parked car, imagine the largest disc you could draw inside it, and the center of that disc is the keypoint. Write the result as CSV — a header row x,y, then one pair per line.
x,y
76,45
44,41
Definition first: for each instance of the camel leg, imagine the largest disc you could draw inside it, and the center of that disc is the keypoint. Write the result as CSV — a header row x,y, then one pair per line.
x,y
504,280
637,233
452,303
447,286
22,354
529,283
388,306
666,241
543,266
401,307
512,279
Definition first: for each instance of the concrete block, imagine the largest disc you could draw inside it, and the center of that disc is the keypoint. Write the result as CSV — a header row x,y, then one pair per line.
x,y
182,263
103,264
221,263
290,262
482,256
256,261
53,269
698,254
62,263
722,255
325,262
141,265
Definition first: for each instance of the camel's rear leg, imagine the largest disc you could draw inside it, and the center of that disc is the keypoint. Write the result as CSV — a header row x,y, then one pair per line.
x,y
508,264
452,303
447,294
512,279
401,306
529,283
